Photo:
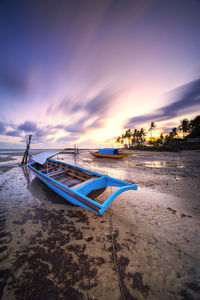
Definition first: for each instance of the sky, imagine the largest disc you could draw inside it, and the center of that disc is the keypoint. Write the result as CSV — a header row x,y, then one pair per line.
x,y
82,72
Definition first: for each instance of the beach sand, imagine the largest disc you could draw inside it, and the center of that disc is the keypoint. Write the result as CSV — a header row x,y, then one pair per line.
x,y
145,246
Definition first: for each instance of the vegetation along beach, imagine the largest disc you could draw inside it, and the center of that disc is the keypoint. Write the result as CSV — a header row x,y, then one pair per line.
x,y
100,150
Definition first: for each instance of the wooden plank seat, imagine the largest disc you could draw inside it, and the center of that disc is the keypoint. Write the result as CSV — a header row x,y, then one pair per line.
x,y
82,183
58,172
74,172
64,178
71,182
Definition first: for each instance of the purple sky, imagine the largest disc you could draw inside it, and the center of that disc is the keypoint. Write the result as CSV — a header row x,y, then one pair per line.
x,y
80,72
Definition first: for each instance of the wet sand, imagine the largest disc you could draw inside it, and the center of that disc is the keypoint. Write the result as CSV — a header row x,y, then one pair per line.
x,y
145,246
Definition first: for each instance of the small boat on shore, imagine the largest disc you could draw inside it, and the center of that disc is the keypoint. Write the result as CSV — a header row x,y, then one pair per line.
x,y
108,153
76,184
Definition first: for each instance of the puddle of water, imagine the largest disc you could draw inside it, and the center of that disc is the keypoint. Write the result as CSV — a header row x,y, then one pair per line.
x,y
155,164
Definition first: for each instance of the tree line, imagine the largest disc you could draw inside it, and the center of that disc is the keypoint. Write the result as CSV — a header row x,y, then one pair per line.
x,y
132,137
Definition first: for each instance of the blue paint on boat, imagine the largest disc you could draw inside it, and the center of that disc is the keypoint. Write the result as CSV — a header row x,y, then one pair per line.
x,y
109,151
78,196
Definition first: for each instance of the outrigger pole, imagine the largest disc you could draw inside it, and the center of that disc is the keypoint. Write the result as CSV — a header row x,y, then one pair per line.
x,y
26,153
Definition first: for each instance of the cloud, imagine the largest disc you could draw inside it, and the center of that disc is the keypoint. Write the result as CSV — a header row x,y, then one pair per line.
x,y
13,82
99,108
13,133
68,138
99,104
66,106
5,145
60,126
28,126
97,123
77,127
76,107
40,132
2,128
95,110
93,106
40,135
188,98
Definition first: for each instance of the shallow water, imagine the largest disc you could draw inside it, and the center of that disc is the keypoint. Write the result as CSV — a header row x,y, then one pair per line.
x,y
146,245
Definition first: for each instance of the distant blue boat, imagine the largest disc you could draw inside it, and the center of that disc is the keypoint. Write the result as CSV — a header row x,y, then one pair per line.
x,y
76,184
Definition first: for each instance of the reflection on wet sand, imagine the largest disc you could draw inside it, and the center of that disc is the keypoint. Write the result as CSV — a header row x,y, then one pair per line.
x,y
43,193
26,172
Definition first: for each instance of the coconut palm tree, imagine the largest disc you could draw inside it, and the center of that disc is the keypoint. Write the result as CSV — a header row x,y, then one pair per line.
x,y
138,136
128,135
161,136
118,140
184,126
142,134
123,138
171,135
134,136
152,127
195,123
195,126
174,131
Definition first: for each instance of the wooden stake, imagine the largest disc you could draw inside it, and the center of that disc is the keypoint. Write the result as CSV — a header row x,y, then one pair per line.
x,y
26,153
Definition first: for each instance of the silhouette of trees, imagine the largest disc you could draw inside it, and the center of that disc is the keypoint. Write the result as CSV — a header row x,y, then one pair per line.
x,y
184,126
142,135
135,136
152,126
194,124
128,135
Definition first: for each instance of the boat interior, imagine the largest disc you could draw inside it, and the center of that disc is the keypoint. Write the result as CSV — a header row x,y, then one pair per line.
x,y
86,185
64,174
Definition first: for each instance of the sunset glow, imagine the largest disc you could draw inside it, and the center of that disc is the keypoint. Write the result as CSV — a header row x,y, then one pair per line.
x,y
81,72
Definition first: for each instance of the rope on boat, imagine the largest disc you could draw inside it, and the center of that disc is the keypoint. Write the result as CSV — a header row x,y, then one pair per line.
x,y
115,257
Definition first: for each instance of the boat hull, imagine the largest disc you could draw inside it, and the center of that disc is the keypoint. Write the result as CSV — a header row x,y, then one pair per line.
x,y
79,193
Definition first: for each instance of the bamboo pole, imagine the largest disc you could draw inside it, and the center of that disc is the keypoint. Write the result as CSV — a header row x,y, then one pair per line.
x,y
26,153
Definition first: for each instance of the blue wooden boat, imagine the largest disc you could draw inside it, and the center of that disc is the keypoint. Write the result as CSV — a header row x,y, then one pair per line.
x,y
76,184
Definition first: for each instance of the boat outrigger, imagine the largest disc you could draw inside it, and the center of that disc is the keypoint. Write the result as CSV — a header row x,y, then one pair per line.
x,y
109,153
75,184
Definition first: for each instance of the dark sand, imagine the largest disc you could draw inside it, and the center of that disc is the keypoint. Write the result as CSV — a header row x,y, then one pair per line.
x,y
145,246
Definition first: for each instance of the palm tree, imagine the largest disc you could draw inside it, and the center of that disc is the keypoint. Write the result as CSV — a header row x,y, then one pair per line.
x,y
174,131
142,134
161,138
134,136
152,127
167,137
118,140
122,138
184,126
137,135
128,135
171,135
195,123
